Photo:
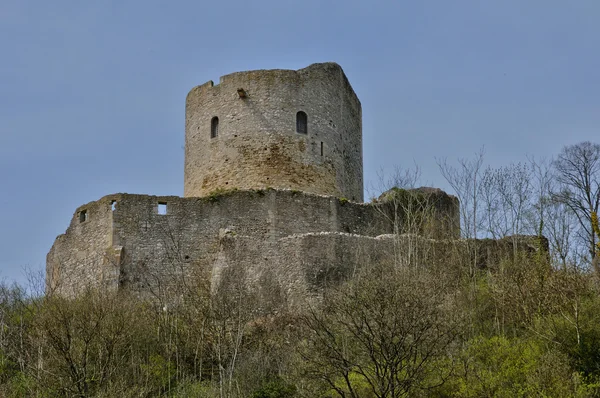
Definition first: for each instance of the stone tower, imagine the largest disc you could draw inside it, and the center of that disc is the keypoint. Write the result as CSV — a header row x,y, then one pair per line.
x,y
285,129
298,132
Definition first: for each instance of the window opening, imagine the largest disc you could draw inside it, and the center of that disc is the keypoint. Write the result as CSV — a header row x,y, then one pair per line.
x,y
83,216
301,123
321,148
162,208
113,205
214,127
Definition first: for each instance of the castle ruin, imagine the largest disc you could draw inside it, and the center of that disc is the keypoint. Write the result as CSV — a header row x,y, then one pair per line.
x,y
273,191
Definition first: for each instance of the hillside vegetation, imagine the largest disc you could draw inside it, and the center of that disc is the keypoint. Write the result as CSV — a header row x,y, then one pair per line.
x,y
527,325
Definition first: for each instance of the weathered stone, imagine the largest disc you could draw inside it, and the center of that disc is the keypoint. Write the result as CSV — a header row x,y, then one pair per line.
x,y
277,209
135,247
257,145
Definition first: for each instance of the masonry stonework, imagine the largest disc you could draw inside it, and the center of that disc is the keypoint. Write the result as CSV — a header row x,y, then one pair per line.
x,y
272,198
257,144
126,243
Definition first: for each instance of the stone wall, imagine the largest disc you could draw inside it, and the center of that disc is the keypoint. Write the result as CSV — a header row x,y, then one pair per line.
x,y
85,256
257,145
149,249
265,204
297,269
286,245
424,211
125,242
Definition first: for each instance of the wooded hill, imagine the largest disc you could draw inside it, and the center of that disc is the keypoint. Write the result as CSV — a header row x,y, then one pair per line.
x,y
526,326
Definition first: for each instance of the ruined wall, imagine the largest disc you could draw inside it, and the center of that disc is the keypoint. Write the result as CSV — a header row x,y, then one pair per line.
x,y
154,250
489,253
297,268
425,211
257,145
287,245
254,198
84,256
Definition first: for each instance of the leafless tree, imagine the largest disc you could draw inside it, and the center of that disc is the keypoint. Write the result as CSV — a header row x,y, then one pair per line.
x,y
411,212
578,173
381,334
465,180
543,183
507,200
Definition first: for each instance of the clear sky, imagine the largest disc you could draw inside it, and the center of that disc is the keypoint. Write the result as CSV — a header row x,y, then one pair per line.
x,y
92,92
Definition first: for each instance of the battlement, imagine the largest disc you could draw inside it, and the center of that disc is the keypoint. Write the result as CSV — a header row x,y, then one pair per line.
x,y
277,128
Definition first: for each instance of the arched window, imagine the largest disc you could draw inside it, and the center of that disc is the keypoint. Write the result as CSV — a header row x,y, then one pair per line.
x,y
214,127
301,123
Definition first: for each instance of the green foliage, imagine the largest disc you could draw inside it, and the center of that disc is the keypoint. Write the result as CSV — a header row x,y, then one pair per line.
x,y
191,388
8,368
158,371
382,332
275,389
577,335
343,201
519,328
501,367
17,386
360,385
532,332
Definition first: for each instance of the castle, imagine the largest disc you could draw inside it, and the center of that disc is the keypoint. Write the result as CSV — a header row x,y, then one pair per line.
x,y
273,193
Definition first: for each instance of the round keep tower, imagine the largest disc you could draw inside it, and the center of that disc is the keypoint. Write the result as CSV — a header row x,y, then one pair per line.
x,y
284,129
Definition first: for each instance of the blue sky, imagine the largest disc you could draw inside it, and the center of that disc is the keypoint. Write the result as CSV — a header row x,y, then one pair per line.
x,y
92,93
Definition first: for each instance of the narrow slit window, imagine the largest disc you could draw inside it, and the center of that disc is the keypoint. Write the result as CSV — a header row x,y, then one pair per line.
x,y
301,123
162,208
321,148
214,127
83,216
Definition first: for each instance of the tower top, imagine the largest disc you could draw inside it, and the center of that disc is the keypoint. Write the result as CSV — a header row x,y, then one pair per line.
x,y
284,129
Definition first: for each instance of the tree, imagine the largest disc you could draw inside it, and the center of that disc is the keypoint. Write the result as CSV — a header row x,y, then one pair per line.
x,y
596,229
465,181
578,172
90,345
382,334
507,199
414,213
503,367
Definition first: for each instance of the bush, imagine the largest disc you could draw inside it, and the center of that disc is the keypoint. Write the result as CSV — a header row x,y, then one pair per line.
x,y
275,389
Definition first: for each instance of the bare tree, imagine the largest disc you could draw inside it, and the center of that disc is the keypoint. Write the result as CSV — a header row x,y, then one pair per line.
x,y
88,342
543,183
465,180
382,334
578,172
413,213
507,194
